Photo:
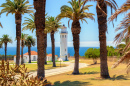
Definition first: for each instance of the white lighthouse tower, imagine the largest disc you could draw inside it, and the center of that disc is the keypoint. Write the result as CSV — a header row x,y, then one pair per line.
x,y
63,43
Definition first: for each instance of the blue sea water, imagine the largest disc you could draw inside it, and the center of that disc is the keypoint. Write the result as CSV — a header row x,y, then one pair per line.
x,y
12,50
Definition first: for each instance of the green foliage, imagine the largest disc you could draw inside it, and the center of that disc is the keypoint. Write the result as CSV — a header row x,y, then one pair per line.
x,y
111,51
76,11
9,77
16,6
92,53
5,39
9,57
52,24
30,41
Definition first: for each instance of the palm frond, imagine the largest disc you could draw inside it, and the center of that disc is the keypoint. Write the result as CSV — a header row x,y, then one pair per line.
x,y
16,6
124,8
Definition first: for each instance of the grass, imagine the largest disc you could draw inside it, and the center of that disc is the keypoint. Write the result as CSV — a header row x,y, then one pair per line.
x,y
48,61
33,67
90,76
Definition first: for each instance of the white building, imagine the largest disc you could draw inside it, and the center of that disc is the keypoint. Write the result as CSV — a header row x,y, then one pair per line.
x,y
34,57
63,43
49,57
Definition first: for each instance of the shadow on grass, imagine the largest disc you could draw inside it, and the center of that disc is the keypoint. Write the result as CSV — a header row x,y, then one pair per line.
x,y
120,77
69,83
94,64
90,72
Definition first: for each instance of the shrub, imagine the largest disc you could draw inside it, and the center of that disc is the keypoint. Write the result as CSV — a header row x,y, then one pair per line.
x,y
92,53
9,76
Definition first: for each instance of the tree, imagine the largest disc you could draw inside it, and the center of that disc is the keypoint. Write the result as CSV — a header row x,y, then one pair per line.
x,y
29,42
93,53
52,26
101,9
17,7
29,24
39,6
5,40
125,33
23,38
76,12
124,25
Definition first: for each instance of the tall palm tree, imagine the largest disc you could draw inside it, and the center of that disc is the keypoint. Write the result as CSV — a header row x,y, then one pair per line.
x,y
29,24
29,42
52,26
76,12
23,38
5,40
17,7
39,6
101,9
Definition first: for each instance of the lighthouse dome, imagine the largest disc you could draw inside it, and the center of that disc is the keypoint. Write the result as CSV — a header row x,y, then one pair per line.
x,y
64,29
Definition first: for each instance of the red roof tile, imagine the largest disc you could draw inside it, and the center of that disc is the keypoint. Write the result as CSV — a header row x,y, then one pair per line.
x,y
32,53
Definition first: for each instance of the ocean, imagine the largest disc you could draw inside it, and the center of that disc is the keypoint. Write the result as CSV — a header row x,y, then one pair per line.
x,y
12,50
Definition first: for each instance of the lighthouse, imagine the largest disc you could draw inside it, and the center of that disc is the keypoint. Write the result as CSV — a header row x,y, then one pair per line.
x,y
63,43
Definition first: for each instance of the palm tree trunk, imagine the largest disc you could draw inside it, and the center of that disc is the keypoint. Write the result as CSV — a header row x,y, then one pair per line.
x,y
22,52
29,52
39,6
46,47
102,25
18,35
5,51
53,48
75,32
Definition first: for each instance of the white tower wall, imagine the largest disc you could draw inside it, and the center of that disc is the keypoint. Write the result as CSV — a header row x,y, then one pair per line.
x,y
63,44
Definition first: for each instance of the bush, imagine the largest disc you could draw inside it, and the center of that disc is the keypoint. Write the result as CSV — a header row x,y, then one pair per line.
x,y
9,57
111,51
9,77
92,53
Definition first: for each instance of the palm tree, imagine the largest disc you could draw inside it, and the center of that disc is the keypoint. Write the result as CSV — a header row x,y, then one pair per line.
x,y
23,38
52,26
39,6
29,42
17,7
101,9
29,24
76,12
124,25
5,40
125,31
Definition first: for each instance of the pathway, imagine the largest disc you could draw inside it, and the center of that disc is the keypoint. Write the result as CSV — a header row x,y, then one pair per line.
x,y
57,71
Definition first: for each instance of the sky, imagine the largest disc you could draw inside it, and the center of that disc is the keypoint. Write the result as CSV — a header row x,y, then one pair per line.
x,y
89,35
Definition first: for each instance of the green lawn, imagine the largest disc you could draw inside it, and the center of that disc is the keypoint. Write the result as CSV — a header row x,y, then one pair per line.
x,y
48,61
90,76
33,67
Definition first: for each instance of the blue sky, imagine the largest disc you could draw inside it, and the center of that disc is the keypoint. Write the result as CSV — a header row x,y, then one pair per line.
x,y
89,32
